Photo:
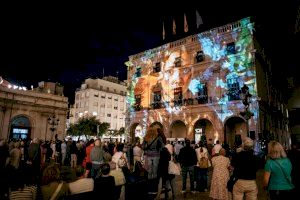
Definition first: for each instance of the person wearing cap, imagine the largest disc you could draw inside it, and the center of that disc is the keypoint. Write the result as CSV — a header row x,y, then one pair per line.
x,y
245,165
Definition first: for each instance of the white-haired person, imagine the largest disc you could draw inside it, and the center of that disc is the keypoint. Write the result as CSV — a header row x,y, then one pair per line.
x,y
245,165
277,176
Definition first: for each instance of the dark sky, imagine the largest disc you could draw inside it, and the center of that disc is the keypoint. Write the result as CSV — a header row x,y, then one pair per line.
x,y
68,43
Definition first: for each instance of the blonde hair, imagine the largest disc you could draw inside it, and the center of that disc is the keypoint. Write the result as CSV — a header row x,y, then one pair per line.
x,y
151,134
275,150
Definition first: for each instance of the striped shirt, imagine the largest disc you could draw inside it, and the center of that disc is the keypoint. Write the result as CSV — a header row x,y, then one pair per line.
x,y
27,193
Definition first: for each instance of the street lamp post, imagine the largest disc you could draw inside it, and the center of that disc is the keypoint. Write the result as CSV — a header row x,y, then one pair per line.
x,y
246,101
53,123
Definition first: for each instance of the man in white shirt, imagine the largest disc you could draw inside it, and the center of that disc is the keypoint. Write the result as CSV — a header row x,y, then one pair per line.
x,y
82,184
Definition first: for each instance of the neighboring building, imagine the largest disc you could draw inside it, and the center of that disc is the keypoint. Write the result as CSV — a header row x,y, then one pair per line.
x,y
28,113
193,88
104,98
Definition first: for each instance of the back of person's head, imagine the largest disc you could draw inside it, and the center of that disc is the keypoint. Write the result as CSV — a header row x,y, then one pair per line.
x,y
105,169
120,147
275,150
187,142
217,142
248,144
79,171
88,166
97,142
51,174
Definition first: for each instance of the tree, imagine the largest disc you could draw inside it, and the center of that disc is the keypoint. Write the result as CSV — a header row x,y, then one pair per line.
x,y
87,126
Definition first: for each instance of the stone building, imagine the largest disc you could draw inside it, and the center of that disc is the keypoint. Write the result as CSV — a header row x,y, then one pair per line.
x,y
104,98
36,113
209,84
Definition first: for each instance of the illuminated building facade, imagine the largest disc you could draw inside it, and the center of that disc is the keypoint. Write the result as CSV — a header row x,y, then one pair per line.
x,y
104,98
193,87
25,113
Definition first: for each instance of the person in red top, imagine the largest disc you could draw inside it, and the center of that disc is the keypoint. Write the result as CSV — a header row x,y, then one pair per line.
x,y
90,145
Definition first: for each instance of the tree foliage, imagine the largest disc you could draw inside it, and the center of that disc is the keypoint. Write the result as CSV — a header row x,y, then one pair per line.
x,y
88,126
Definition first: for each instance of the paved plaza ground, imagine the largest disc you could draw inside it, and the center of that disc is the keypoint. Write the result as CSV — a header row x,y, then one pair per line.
x,y
262,195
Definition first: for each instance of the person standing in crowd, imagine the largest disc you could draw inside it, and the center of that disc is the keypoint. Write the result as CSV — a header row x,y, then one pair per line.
x,y
178,145
96,158
294,155
220,176
74,152
202,168
277,176
137,152
63,152
188,159
88,149
170,147
245,165
105,184
152,145
51,183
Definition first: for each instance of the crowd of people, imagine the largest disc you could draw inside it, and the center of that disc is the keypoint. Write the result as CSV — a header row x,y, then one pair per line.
x,y
36,169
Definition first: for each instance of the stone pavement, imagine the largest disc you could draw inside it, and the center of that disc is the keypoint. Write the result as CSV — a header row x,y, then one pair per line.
x,y
262,195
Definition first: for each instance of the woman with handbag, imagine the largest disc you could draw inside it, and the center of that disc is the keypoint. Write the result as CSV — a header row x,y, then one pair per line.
x,y
277,176
203,163
220,176
154,141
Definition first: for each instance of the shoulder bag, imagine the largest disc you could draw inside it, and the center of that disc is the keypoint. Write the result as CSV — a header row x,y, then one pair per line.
x,y
54,195
285,175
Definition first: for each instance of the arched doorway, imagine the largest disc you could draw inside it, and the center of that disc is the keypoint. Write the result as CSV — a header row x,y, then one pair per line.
x,y
203,131
20,128
235,130
178,130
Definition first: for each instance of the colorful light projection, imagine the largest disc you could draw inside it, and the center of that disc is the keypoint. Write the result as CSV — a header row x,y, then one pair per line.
x,y
235,69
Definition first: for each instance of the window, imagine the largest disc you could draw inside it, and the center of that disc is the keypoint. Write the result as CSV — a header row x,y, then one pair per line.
x,y
95,103
115,90
138,100
107,89
77,105
178,96
116,99
230,48
103,96
233,89
157,67
138,72
177,62
199,56
109,97
156,100
108,115
96,95
116,107
202,94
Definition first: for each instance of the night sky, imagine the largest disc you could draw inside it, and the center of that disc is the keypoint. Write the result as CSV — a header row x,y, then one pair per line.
x,y
68,43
